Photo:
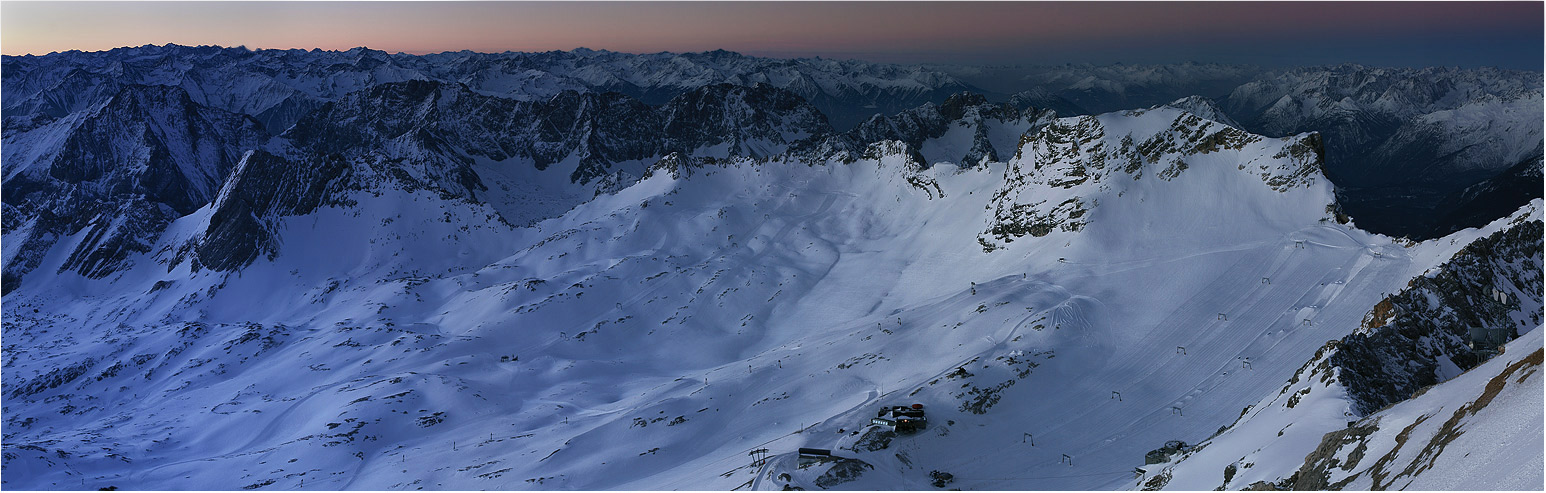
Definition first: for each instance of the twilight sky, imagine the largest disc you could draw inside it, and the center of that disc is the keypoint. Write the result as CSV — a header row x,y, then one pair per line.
x,y
1468,34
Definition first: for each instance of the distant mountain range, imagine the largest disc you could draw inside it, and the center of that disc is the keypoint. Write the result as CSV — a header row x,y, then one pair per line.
x,y
1402,144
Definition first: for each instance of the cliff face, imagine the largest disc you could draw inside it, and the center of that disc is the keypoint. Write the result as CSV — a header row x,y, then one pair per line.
x,y
263,189
119,172
1418,337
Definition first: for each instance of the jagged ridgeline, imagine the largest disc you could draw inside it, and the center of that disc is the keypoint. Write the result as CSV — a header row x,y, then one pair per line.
x,y
1059,169
1451,143
72,173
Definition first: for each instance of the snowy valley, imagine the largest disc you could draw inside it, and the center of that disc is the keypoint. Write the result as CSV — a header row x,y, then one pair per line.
x,y
419,283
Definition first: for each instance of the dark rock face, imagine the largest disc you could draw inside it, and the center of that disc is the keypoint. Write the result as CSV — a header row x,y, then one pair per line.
x,y
756,121
121,171
264,188
189,148
413,130
1314,474
425,121
1409,335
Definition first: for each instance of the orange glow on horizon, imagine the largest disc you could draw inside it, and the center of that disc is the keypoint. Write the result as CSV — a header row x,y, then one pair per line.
x,y
918,29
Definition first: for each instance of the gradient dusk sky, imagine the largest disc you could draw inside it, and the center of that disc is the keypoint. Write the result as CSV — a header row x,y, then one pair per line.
x,y
1468,34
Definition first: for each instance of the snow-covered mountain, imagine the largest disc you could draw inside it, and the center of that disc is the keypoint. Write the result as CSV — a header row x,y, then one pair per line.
x,y
1401,140
107,179
1352,417
1397,140
966,130
1106,88
395,332
604,280
279,86
114,191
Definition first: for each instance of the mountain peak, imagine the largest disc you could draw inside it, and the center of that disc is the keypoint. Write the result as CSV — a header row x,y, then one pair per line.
x,y
1066,168
1203,107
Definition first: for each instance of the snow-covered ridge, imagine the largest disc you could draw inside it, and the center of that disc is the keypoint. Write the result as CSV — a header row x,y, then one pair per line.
x,y
1397,140
418,134
1410,346
1203,107
966,130
1386,126
1401,143
1065,168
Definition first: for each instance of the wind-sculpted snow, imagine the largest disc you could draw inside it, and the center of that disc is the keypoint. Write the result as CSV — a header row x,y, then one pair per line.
x,y
653,336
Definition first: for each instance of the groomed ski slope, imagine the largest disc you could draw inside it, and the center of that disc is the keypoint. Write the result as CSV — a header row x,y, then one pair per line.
x,y
1271,439
651,338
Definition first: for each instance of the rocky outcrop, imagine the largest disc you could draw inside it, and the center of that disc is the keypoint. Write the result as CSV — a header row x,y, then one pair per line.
x,y
842,471
1410,336
1049,184
432,129
263,189
119,172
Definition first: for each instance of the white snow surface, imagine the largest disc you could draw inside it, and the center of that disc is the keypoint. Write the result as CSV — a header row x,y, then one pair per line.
x,y
652,337
1499,441
1271,438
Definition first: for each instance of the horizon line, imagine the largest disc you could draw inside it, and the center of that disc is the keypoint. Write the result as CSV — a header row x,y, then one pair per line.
x,y
740,53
